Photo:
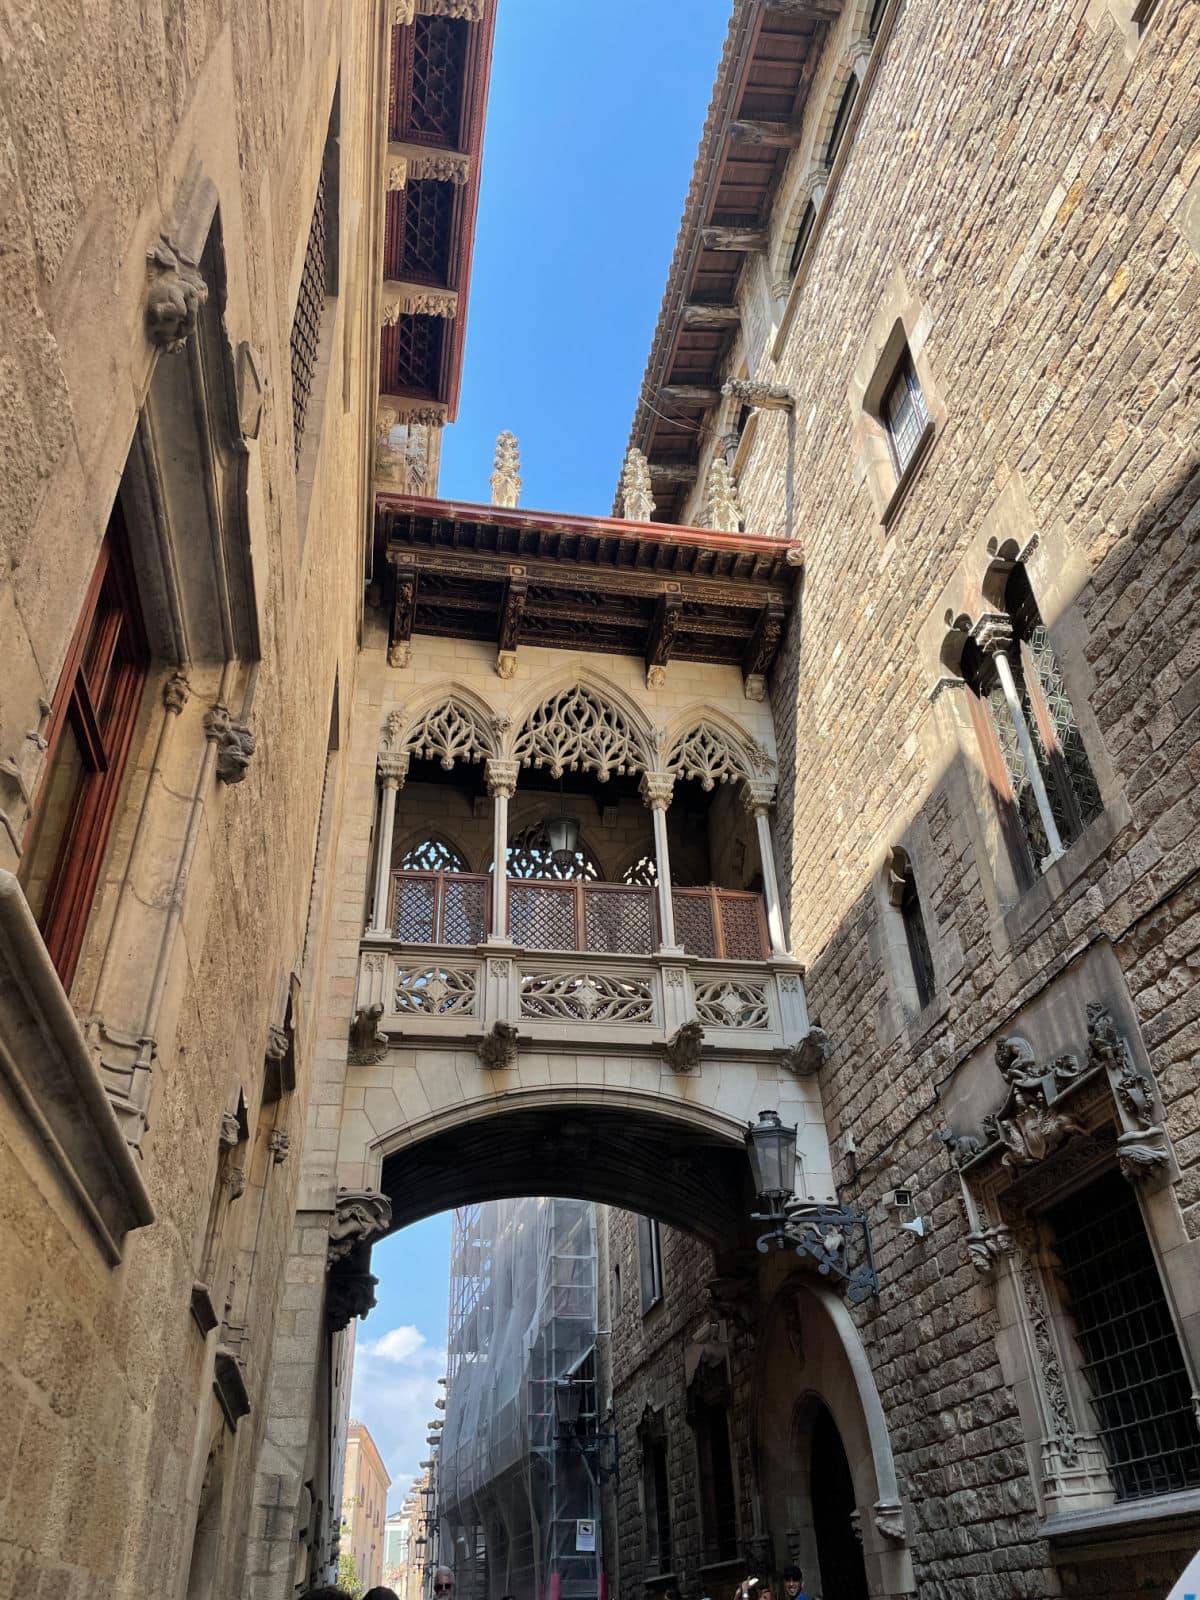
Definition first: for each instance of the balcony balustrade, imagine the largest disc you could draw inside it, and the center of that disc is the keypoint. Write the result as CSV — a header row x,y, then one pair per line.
x,y
581,956
454,908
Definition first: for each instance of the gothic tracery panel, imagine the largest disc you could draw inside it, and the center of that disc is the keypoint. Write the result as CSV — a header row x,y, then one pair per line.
x,y
577,731
449,732
708,755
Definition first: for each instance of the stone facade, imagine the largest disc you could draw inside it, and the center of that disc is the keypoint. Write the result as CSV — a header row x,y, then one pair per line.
x,y
365,1483
128,1359
1045,282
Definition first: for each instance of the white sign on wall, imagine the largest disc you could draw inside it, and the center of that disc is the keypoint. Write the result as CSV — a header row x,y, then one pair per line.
x,y
585,1534
1188,1587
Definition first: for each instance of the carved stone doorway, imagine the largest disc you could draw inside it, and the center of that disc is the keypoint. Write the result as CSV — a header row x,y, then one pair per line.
x,y
834,1512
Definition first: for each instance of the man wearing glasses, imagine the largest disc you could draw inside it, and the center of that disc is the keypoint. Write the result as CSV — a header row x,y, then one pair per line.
x,y
443,1581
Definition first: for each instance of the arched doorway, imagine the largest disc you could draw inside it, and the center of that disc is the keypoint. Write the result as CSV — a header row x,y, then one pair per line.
x,y
834,1513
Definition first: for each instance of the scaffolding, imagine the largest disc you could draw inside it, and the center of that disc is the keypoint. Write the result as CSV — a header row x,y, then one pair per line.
x,y
518,1496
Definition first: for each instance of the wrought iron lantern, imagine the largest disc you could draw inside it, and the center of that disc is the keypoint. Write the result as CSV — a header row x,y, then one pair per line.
x,y
568,1402
771,1148
562,836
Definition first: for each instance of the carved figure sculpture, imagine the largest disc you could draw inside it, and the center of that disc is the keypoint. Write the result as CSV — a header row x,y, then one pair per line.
x,y
359,1214
498,1048
235,743
506,471
177,291
807,1057
961,1147
723,514
368,1043
683,1049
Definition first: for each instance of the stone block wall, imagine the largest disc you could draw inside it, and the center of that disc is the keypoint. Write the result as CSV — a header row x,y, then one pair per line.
x,y
108,118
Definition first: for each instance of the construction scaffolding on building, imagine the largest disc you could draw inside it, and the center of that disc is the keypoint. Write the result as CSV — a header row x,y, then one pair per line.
x,y
517,1482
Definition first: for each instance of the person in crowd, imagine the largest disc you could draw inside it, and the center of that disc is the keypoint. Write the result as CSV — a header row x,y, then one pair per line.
x,y
325,1591
381,1593
793,1582
443,1581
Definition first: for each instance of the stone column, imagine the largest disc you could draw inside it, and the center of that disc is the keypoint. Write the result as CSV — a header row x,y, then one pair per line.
x,y
392,767
993,634
656,790
758,795
502,785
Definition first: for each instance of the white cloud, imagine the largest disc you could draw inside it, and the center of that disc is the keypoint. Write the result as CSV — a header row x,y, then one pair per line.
x,y
395,1386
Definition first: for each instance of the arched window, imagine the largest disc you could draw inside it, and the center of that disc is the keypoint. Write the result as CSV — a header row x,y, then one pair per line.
x,y
803,235
644,870
876,19
432,855
841,119
1066,771
529,857
902,892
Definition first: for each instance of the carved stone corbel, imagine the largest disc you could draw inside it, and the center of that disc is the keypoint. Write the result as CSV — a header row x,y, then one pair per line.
x,y
279,1143
1143,1154
350,1294
889,1520
368,1043
234,741
359,1215
497,1050
176,293
987,1247
683,1050
808,1055
763,396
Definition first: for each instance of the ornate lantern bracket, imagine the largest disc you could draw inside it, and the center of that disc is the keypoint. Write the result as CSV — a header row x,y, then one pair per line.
x,y
823,1233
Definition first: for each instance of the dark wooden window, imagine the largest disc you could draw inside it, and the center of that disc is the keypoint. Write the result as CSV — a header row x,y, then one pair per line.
x,y
318,279
803,235
904,413
91,728
841,120
876,21
657,1500
902,890
650,1262
1130,1354
718,1497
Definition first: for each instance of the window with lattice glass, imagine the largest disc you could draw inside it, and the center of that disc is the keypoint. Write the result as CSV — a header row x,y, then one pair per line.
x,y
644,870
318,280
904,413
529,857
1129,1352
432,855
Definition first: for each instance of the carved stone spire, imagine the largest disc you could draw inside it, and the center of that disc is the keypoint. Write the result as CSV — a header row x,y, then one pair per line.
x,y
722,512
506,471
637,500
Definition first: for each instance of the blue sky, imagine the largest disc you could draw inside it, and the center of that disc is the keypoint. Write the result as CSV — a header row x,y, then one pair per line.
x,y
594,118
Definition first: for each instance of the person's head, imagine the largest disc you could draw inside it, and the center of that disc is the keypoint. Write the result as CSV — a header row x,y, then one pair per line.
x,y
380,1593
793,1581
326,1591
443,1581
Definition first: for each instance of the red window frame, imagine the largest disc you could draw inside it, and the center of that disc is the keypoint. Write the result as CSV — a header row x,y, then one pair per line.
x,y
98,695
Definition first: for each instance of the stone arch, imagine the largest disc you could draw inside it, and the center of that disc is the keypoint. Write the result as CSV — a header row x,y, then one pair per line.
x,y
703,744
447,725
811,1349
582,723
806,185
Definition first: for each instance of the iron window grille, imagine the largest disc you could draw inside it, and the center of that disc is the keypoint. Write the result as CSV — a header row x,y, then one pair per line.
x,y
905,413
318,278
1131,1358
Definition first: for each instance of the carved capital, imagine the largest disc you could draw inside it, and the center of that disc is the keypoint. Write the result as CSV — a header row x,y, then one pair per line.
x,y
497,1050
765,396
656,789
234,741
173,301
501,777
993,633
359,1216
758,796
987,1246
391,767
889,1520
175,692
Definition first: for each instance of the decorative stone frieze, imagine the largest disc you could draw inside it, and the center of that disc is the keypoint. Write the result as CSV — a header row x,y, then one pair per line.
x,y
722,513
637,499
764,396
176,293
415,300
359,1215
457,10
506,471
415,163
368,1044
234,741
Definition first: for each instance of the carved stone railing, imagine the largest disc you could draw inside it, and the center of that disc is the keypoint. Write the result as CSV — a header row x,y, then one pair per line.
x,y
421,992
